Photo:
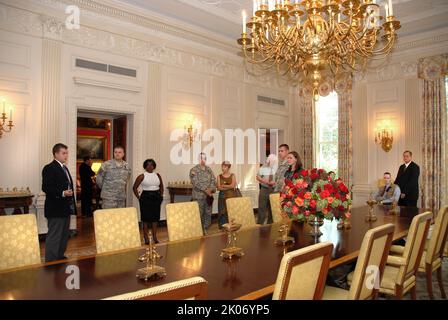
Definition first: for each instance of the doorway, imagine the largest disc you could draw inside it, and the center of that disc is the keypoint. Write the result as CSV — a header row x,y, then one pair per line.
x,y
96,136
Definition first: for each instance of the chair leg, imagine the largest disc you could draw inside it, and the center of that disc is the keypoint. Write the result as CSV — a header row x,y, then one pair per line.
x,y
413,293
399,292
428,270
439,278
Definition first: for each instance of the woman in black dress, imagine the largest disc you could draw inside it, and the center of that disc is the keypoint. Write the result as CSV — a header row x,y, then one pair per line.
x,y
150,199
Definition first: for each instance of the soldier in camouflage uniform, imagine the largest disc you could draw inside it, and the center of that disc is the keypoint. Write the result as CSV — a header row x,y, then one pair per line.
x,y
204,184
112,179
283,166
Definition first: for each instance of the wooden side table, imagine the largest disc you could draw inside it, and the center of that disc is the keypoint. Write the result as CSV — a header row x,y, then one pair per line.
x,y
176,191
17,202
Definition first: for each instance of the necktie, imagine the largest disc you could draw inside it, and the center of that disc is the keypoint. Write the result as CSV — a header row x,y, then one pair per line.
x,y
70,186
67,174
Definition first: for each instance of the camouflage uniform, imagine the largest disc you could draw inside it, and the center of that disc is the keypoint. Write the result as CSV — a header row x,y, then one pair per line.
x,y
280,176
112,180
201,179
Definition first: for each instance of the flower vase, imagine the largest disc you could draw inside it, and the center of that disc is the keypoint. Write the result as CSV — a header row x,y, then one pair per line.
x,y
315,224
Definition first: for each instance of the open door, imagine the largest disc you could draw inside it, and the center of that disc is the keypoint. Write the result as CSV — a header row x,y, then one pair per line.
x,y
119,133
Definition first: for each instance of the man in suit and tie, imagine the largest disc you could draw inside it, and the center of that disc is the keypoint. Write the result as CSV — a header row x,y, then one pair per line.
x,y
407,180
57,183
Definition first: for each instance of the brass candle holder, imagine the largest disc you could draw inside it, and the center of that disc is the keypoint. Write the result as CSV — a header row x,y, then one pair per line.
x,y
283,239
371,217
231,249
150,257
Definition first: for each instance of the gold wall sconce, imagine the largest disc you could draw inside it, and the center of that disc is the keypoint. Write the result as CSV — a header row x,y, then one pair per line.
x,y
384,136
192,131
4,125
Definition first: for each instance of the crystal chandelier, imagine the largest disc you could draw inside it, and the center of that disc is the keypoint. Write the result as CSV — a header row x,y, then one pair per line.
x,y
311,40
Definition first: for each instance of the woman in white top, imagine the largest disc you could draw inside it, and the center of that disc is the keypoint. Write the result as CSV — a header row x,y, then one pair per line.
x,y
150,199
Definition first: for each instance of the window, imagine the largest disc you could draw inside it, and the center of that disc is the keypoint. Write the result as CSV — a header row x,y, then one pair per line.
x,y
327,132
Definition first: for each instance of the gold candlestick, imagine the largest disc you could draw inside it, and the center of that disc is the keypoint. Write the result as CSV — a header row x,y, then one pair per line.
x,y
231,249
150,257
284,238
371,217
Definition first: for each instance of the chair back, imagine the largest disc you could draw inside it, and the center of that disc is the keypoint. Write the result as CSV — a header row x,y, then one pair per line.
x,y
371,262
19,241
438,238
415,244
194,288
183,220
274,199
116,229
240,209
303,272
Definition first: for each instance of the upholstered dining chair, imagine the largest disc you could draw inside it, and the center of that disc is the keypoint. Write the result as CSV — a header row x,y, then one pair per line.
x,y
372,258
116,229
183,220
303,272
400,272
274,199
240,209
194,288
19,241
433,254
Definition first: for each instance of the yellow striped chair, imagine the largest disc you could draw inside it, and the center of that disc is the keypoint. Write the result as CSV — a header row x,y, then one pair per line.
x,y
183,220
365,280
19,241
116,229
303,272
240,209
402,263
274,199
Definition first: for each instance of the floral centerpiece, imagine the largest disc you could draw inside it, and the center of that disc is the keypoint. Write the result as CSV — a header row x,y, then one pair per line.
x,y
312,195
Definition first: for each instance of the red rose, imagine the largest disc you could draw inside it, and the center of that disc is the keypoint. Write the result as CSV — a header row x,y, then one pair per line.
x,y
318,190
328,187
304,173
324,194
295,175
314,176
313,204
337,196
341,208
307,213
343,188
295,210
320,171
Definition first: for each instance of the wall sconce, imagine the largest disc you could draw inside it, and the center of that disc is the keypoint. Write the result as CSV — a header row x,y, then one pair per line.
x,y
3,126
192,132
384,136
96,167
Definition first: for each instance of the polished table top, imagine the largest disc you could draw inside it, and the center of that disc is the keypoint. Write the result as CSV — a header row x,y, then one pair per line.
x,y
249,277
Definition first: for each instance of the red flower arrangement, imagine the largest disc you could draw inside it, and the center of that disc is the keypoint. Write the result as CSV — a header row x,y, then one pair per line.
x,y
313,193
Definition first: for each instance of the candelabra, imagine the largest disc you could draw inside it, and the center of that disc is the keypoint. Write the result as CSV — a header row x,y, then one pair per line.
x,y
4,125
384,138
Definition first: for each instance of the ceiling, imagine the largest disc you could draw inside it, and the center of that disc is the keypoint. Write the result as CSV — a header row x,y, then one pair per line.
x,y
223,17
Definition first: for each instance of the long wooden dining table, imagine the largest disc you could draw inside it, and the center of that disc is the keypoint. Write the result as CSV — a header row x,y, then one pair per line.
x,y
251,276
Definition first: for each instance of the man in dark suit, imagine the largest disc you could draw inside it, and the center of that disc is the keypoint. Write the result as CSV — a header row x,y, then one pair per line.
x,y
407,180
57,183
86,173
